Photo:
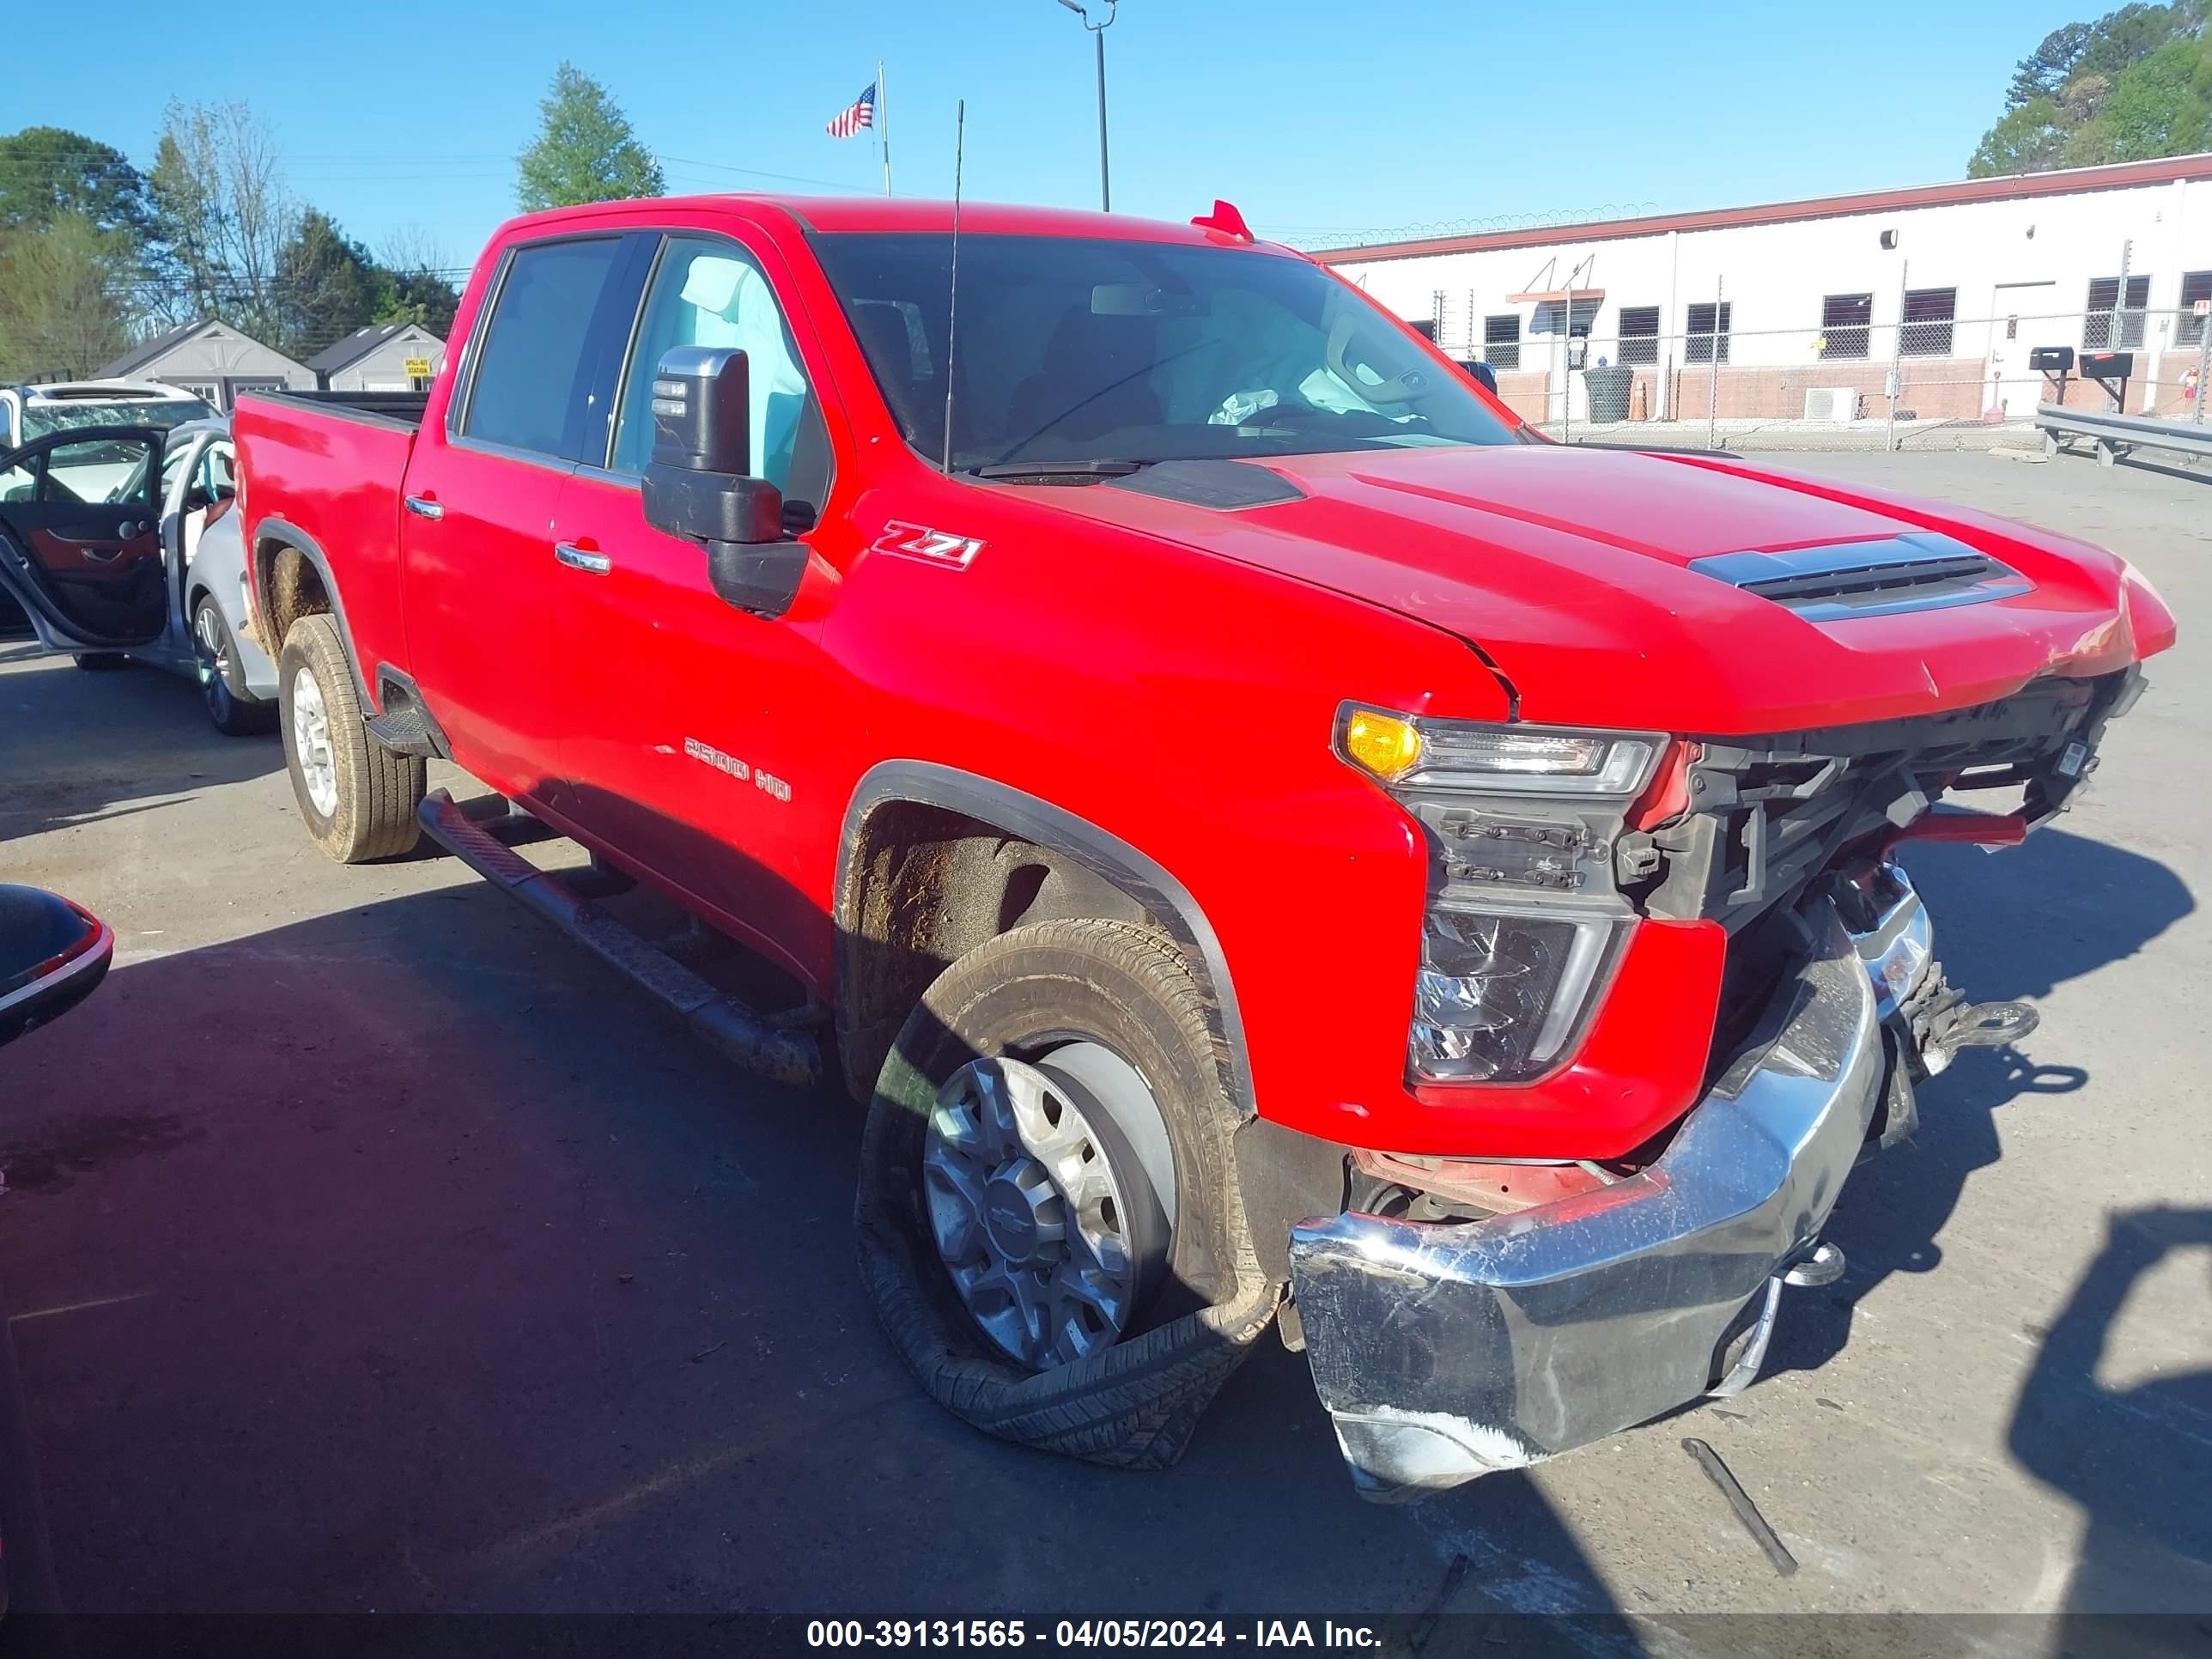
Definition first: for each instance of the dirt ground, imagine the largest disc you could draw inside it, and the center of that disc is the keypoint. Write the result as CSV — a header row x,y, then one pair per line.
x,y
366,1245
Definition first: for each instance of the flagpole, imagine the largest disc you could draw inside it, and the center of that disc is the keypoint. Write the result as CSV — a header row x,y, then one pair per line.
x,y
883,123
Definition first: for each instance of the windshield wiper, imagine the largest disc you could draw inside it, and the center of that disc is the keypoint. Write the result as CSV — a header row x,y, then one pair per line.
x,y
1081,472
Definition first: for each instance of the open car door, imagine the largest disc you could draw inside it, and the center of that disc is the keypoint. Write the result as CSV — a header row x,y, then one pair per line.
x,y
80,537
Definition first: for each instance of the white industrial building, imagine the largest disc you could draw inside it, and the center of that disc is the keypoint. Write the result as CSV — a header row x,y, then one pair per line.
x,y
1824,309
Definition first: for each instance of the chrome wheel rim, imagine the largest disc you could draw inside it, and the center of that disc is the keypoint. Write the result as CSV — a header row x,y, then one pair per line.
x,y
1028,1213
310,742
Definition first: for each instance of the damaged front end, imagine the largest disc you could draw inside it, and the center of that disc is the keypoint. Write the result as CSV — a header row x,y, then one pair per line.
x,y
1445,1350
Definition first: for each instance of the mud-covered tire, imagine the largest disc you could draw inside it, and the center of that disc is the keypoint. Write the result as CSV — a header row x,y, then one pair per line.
x,y
1133,1405
373,815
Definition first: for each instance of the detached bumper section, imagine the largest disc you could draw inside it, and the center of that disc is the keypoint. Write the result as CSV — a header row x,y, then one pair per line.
x,y
1447,1350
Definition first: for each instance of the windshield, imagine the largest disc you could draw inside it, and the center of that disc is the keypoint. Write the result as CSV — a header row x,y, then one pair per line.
x,y
41,420
1077,350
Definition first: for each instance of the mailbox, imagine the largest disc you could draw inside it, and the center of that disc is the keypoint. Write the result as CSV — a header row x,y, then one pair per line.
x,y
2051,359
2107,365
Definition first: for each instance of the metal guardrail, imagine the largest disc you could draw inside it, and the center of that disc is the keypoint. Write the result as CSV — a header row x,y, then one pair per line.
x,y
2115,436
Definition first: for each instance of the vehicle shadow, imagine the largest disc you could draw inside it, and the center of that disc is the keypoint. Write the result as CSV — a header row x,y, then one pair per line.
x,y
2137,1457
2093,904
425,1266
83,747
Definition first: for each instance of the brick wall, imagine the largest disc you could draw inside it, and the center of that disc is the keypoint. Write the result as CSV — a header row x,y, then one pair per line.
x,y
1933,388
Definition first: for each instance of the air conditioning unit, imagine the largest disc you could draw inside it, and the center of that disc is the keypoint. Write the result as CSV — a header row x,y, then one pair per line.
x,y
1832,403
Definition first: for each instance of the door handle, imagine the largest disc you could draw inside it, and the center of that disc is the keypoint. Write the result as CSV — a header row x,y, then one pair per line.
x,y
424,507
577,558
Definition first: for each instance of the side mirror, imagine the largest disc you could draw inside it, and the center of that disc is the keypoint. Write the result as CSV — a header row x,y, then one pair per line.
x,y
52,955
1483,375
697,484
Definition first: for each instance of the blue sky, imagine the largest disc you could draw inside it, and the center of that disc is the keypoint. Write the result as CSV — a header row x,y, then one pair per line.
x,y
1316,118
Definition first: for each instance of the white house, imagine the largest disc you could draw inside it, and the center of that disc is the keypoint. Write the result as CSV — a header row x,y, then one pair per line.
x,y
1793,309
382,357
213,360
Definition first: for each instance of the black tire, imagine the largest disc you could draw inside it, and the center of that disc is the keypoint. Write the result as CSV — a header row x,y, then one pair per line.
x,y
377,791
1133,1405
235,712
100,662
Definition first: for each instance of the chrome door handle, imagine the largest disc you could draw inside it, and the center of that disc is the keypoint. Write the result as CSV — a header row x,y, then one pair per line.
x,y
595,564
423,508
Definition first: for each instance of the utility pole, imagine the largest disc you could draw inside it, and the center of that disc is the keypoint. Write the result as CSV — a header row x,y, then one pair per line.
x,y
1896,377
1713,375
1098,36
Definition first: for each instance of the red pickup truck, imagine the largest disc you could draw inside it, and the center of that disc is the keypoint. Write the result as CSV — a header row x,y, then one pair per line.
x,y
1276,840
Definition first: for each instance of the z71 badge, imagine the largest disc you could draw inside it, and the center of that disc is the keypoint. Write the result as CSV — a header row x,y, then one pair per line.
x,y
937,546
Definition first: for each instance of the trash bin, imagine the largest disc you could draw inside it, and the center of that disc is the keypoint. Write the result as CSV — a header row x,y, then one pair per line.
x,y
1607,391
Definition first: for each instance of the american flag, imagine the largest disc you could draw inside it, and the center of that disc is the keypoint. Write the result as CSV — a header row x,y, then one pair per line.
x,y
856,116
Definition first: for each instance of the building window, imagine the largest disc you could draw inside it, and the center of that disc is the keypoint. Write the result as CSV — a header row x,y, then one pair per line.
x,y
2194,285
2097,333
1501,341
1846,325
1928,313
1639,334
1708,341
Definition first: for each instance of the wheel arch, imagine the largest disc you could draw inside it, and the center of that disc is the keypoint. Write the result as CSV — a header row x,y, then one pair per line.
x,y
283,592
881,952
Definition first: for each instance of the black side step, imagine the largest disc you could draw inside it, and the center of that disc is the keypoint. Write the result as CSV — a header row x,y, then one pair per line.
x,y
788,1056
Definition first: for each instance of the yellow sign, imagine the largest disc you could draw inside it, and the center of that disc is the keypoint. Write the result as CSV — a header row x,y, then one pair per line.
x,y
418,368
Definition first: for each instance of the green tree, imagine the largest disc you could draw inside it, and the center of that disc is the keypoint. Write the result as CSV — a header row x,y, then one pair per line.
x,y
2134,84
585,151
60,316
48,172
411,284
326,286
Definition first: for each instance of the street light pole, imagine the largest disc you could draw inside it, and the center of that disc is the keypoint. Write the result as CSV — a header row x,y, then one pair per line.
x,y
1098,36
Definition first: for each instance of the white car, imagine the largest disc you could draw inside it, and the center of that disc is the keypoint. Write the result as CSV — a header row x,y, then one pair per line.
x,y
117,539
28,413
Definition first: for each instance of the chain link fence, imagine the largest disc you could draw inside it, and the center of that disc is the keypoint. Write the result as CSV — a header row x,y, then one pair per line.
x,y
1933,381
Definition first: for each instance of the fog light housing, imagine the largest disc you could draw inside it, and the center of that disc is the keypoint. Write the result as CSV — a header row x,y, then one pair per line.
x,y
1499,991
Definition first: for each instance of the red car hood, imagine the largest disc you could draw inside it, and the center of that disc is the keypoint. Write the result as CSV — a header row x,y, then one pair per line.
x,y
1568,569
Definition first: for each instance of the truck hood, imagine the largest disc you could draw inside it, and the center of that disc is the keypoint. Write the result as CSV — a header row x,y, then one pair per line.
x,y
1570,571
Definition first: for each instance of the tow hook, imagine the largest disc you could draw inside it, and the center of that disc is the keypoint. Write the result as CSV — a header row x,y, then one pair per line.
x,y
1943,1021
1964,1024
1822,1265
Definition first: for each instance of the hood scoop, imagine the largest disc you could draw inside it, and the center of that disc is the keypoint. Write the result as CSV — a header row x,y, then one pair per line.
x,y
1920,570
1223,485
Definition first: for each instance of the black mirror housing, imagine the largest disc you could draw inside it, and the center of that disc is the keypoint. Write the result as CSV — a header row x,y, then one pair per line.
x,y
51,956
697,485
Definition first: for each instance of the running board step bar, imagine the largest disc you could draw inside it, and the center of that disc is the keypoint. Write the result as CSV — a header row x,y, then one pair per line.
x,y
745,1036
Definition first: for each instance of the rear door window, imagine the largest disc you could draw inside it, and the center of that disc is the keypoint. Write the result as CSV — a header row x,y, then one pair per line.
x,y
537,384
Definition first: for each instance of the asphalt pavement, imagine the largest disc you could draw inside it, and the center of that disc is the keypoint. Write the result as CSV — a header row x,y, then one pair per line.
x,y
366,1245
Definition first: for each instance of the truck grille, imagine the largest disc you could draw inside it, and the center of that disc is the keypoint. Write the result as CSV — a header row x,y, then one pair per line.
x,y
1768,816
1916,571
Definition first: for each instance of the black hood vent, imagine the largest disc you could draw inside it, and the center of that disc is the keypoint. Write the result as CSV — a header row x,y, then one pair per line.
x,y
1917,571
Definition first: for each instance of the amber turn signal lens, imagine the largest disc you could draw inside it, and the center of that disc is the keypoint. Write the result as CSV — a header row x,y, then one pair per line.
x,y
1386,746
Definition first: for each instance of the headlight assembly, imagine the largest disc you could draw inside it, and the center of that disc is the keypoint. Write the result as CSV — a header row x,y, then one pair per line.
x,y
1523,911
1417,752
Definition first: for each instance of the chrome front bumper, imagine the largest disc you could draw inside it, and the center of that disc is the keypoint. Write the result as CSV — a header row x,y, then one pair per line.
x,y
1446,1351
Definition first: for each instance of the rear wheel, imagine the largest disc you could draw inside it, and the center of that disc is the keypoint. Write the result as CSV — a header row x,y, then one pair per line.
x,y
234,711
357,797
1050,1226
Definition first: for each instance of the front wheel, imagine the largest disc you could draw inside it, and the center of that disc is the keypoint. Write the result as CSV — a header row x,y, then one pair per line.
x,y
1051,1226
357,797
234,711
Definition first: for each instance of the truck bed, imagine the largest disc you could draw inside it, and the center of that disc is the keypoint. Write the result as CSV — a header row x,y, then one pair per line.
x,y
324,472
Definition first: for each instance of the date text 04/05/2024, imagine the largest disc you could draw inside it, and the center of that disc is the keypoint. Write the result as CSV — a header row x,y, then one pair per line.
x,y
1087,1633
